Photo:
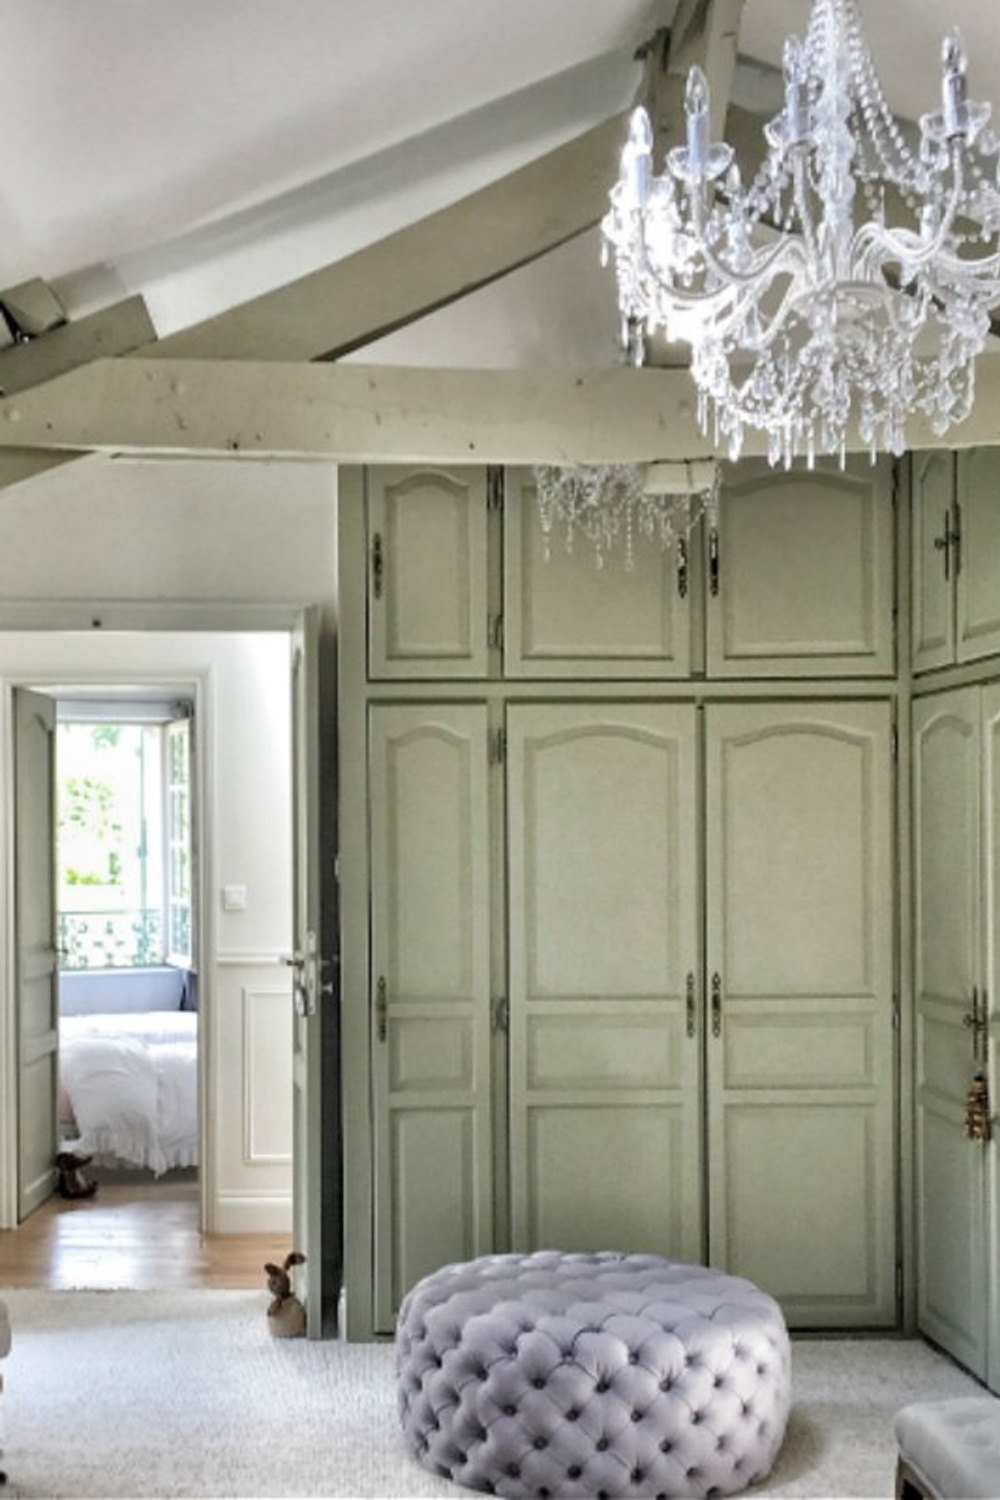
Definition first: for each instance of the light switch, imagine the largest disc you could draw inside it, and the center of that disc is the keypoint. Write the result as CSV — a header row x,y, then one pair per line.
x,y
234,898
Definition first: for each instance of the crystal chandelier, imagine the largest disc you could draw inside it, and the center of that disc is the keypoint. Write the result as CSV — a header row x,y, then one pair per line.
x,y
848,284
614,505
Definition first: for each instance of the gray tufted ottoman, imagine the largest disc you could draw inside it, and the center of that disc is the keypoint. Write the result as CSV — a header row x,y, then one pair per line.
x,y
592,1375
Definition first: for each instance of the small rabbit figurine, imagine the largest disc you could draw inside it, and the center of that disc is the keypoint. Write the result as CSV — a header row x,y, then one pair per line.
x,y
73,1181
286,1318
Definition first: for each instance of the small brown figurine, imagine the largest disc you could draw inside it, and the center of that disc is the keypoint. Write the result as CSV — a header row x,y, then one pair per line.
x,y
978,1124
286,1318
73,1181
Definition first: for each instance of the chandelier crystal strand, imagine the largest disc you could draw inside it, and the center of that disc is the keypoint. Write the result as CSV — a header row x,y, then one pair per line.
x,y
610,506
846,287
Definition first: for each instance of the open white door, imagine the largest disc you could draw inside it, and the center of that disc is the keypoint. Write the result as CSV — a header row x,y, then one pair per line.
x,y
36,961
306,1047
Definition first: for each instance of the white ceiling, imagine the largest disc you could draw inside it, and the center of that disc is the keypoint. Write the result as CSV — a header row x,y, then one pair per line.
x,y
201,151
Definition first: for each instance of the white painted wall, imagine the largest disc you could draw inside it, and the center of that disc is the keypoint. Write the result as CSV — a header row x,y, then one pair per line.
x,y
101,535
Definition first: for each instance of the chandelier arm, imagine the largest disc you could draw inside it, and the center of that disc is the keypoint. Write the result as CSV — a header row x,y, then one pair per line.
x,y
788,247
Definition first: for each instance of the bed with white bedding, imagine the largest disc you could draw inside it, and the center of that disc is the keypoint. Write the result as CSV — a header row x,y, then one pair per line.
x,y
129,1088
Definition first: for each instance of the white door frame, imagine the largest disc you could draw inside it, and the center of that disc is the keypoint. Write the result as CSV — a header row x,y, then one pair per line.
x,y
144,619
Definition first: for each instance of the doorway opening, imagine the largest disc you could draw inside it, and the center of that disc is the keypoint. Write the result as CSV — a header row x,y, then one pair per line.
x,y
128,969
172,877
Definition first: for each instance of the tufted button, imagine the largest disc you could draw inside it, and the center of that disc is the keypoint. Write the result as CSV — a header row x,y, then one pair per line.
x,y
574,1471
637,1416
633,1358
638,1475
572,1415
510,1411
666,1446
541,1442
601,1444
602,1386
696,1417
666,1385
538,1383
514,1470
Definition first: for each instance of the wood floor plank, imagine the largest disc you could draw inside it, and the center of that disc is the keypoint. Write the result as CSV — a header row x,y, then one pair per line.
x,y
139,1237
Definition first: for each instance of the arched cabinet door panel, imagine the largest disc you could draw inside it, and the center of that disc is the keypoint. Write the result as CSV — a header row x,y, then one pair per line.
x,y
429,993
427,572
800,1045
604,974
800,573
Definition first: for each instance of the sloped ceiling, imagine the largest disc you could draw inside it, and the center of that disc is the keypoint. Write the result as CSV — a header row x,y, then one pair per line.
x,y
203,151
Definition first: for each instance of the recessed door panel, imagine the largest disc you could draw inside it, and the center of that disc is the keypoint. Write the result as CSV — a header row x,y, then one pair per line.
x,y
430,992
800,1040
604,977
951,1251
801,583
567,617
427,595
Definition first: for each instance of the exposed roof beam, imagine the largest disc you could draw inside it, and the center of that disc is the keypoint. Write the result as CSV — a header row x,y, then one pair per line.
x,y
423,267
358,413
113,330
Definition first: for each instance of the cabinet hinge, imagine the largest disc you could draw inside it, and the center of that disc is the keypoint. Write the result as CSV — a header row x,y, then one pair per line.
x,y
378,565
495,631
494,487
899,1282
498,747
894,741
500,1014
896,1011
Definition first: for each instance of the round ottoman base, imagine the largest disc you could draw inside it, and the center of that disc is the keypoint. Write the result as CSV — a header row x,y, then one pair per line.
x,y
551,1375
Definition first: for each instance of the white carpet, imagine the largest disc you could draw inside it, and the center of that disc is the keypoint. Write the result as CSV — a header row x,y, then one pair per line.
x,y
185,1394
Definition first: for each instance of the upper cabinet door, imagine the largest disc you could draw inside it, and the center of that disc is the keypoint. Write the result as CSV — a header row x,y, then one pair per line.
x,y
566,617
801,574
978,492
427,554
933,614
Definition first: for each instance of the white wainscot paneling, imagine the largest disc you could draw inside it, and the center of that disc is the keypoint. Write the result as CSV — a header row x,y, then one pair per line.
x,y
267,1093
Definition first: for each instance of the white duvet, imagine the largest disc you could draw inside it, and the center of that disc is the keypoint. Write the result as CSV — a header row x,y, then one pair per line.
x,y
132,1083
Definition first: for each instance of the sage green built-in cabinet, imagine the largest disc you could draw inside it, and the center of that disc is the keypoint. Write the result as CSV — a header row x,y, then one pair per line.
x,y
629,938
795,581
956,795
956,557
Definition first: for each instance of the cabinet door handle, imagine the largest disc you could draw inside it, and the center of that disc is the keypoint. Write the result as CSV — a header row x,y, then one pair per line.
x,y
682,567
942,543
713,560
689,1004
716,1004
381,1010
378,565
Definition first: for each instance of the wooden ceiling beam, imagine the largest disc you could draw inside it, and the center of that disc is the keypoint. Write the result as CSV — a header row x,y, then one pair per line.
x,y
429,264
356,413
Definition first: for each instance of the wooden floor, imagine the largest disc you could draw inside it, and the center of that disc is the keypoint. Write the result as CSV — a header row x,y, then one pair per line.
x,y
134,1236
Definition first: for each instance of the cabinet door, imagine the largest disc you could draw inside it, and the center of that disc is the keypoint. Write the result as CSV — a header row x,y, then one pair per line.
x,y
427,595
566,617
430,991
933,613
800,963
801,581
603,963
978,488
990,824
951,1226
